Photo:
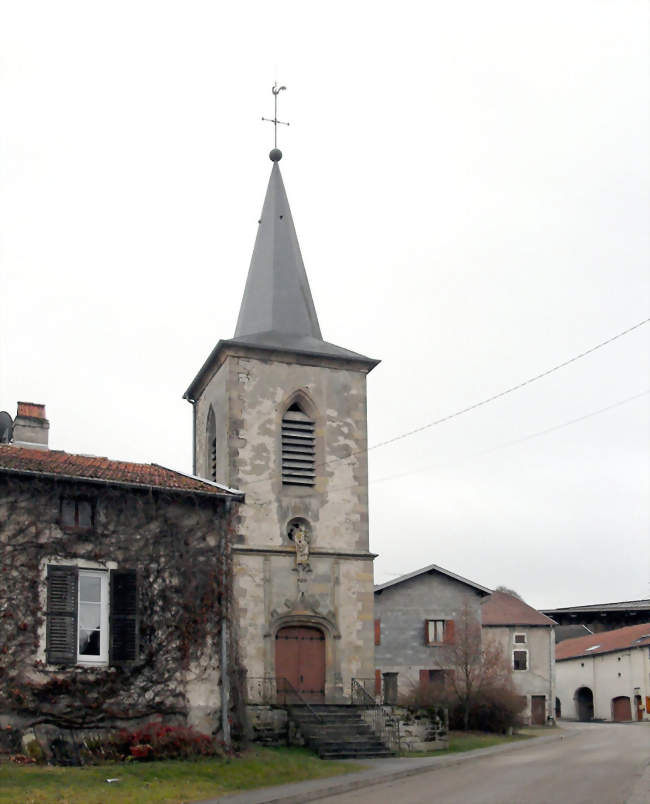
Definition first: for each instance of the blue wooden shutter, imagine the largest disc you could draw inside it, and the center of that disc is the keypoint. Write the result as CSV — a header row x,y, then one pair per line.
x,y
61,634
124,617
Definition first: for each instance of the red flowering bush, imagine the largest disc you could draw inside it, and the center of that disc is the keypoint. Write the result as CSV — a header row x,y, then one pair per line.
x,y
154,740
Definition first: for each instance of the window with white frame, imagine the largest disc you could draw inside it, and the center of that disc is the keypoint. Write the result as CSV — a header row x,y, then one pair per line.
x,y
91,616
520,660
92,619
520,638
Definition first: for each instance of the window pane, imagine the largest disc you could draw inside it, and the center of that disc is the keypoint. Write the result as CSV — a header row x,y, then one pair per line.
x,y
67,512
90,589
520,660
85,514
89,616
88,643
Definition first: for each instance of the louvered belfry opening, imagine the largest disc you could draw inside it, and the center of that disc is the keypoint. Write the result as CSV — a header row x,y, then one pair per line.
x,y
298,448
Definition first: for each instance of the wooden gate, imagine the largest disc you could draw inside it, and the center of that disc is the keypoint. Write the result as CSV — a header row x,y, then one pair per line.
x,y
538,710
621,709
300,658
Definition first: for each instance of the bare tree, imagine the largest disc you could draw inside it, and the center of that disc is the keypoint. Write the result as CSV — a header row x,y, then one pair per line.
x,y
473,665
507,591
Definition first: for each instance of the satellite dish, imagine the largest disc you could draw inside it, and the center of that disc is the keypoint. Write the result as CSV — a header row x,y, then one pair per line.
x,y
6,427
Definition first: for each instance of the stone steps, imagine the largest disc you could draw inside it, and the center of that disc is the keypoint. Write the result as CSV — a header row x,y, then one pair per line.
x,y
338,732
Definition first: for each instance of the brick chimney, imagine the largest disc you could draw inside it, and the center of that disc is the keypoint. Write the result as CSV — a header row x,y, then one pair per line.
x,y
30,426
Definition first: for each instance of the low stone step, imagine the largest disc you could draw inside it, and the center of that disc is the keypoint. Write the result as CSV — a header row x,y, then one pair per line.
x,y
345,754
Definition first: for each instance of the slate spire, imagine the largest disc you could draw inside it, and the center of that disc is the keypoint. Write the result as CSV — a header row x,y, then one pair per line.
x,y
277,299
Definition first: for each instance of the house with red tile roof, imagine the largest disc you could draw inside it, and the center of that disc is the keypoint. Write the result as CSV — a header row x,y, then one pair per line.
x,y
527,639
605,676
108,571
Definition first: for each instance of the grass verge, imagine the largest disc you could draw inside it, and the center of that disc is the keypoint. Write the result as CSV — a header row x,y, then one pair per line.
x,y
470,740
168,782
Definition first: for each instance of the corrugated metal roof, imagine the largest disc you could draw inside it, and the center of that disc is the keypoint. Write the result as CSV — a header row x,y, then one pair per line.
x,y
56,463
620,606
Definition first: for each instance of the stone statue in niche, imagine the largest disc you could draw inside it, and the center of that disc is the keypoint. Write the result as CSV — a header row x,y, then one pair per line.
x,y
299,534
302,545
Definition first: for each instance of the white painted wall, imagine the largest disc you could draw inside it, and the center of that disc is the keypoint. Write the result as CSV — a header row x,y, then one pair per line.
x,y
608,675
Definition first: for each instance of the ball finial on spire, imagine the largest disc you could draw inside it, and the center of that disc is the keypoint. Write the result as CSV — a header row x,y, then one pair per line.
x,y
275,155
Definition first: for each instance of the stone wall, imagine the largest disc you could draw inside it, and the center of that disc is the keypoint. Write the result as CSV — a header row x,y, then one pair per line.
x,y
402,610
421,729
173,543
249,394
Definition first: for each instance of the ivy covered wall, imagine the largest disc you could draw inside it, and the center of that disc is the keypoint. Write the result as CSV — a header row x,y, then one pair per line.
x,y
179,547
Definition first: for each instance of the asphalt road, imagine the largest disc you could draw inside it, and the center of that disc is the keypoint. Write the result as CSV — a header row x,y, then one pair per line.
x,y
602,764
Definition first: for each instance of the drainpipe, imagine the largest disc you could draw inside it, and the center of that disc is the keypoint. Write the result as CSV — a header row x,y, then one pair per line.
x,y
551,673
224,665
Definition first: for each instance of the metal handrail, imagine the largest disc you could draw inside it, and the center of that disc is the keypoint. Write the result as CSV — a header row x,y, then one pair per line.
x,y
283,685
382,724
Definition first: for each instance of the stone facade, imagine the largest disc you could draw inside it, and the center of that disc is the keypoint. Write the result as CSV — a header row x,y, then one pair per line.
x,y
421,729
248,393
538,679
172,543
404,606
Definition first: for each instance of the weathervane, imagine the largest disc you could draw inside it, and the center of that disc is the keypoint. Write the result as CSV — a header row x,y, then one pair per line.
x,y
275,154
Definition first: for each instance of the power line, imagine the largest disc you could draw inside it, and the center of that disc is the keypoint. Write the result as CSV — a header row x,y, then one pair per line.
x,y
488,451
516,441
510,390
469,408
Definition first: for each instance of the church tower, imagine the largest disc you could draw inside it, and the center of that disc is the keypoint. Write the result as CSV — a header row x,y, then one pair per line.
x,y
281,414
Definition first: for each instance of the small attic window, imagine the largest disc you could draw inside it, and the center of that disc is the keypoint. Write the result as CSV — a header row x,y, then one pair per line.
x,y
593,647
298,448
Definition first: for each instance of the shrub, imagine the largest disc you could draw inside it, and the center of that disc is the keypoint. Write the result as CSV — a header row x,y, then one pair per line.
x,y
155,740
496,709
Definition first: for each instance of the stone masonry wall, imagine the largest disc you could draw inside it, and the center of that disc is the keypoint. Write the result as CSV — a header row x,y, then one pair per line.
x,y
172,541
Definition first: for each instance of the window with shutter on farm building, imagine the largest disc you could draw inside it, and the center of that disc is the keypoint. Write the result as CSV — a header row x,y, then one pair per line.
x,y
83,625
438,632
298,447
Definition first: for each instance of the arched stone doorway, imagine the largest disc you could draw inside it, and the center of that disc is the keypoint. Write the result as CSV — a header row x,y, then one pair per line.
x,y
584,699
621,709
300,659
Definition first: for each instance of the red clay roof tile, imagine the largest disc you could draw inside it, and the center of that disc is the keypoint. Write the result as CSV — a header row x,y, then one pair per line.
x,y
502,609
604,642
90,467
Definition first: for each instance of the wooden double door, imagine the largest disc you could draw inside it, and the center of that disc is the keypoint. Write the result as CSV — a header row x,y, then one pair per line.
x,y
300,659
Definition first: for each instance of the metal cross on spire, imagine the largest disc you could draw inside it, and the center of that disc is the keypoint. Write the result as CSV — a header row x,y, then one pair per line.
x,y
276,90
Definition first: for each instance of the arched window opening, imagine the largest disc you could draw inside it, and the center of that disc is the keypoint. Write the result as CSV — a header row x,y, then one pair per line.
x,y
298,447
212,446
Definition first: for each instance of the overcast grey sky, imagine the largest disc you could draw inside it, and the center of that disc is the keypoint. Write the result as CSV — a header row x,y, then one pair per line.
x,y
469,183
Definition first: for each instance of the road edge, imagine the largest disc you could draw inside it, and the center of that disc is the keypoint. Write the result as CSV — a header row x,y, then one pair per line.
x,y
322,788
